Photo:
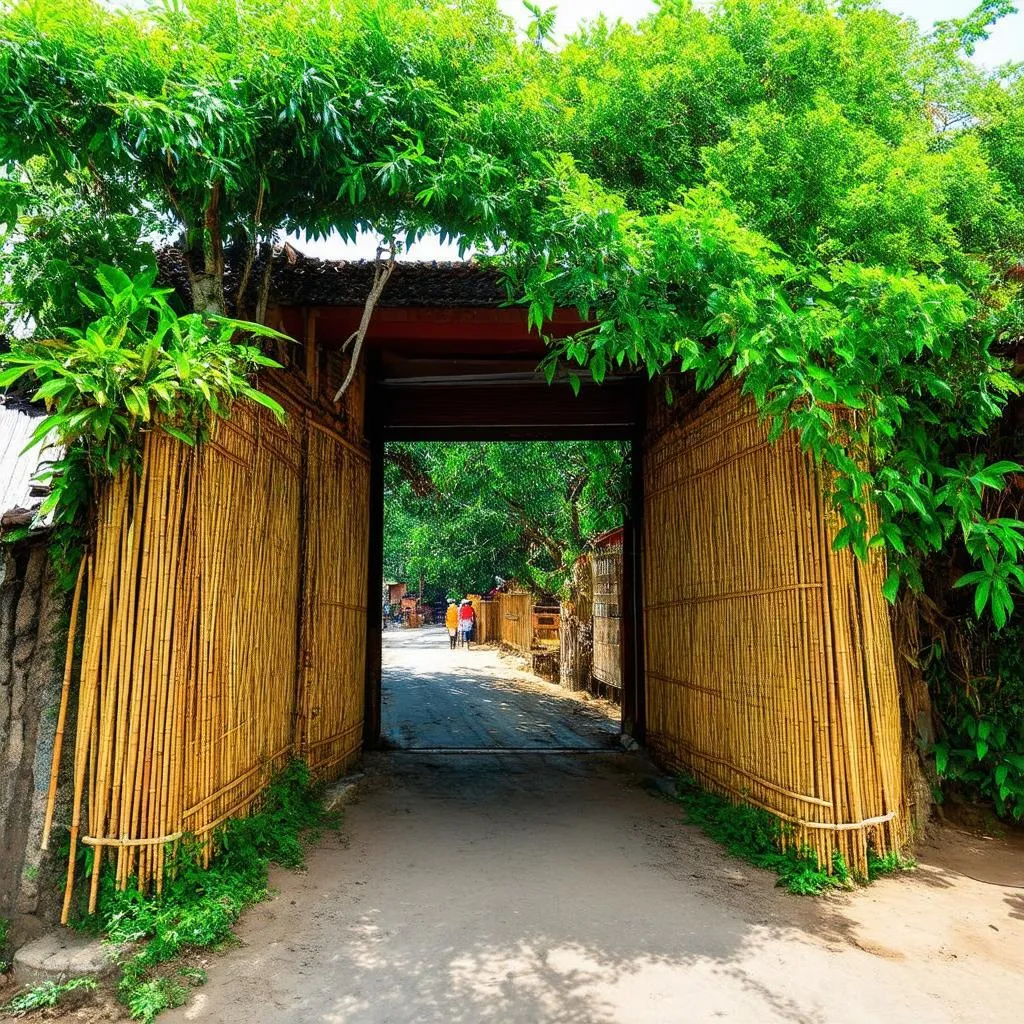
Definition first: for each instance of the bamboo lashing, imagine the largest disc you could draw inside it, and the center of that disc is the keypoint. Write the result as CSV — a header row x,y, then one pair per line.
x,y
191,690
770,670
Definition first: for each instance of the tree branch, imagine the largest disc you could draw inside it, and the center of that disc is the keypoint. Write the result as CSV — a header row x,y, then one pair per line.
x,y
250,251
553,548
419,479
381,272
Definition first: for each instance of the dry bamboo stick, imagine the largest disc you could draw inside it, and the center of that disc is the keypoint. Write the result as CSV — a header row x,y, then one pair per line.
x,y
58,738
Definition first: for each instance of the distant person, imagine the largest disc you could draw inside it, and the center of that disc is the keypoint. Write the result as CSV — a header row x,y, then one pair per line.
x,y
451,622
466,618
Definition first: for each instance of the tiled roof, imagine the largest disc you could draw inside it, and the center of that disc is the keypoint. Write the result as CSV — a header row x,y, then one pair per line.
x,y
299,280
315,282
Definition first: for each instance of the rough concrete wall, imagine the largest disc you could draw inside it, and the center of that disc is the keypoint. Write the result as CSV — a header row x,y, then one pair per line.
x,y
31,631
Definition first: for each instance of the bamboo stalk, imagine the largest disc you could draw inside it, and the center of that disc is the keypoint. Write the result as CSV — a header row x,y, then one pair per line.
x,y
58,737
769,665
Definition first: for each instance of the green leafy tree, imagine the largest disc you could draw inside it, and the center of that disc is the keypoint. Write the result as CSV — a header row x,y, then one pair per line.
x,y
825,203
231,122
466,515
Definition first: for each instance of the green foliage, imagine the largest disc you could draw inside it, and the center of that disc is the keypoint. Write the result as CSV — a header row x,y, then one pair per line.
x,y
982,751
148,999
234,120
136,366
47,994
892,863
199,906
817,198
59,227
759,190
542,23
758,837
466,514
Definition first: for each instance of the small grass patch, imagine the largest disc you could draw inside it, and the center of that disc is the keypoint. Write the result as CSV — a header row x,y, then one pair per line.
x,y
199,906
49,993
147,999
890,864
761,839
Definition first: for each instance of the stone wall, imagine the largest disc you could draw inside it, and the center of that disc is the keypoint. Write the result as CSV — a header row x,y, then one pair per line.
x,y
32,633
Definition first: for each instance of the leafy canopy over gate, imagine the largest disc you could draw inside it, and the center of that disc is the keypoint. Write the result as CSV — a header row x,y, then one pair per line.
x,y
814,196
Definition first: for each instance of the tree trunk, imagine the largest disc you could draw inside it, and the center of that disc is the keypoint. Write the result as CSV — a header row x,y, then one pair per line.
x,y
208,293
576,632
576,651
208,283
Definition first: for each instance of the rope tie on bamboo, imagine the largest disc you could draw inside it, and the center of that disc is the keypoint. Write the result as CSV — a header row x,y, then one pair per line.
x,y
157,841
846,826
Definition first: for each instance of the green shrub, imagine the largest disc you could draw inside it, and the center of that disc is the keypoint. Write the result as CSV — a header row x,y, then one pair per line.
x,y
147,999
981,753
758,837
198,906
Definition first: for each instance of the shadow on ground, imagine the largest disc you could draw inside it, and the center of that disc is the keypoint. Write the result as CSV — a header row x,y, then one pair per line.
x,y
510,887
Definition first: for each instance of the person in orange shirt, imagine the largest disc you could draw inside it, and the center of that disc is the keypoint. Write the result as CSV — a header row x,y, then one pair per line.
x,y
451,622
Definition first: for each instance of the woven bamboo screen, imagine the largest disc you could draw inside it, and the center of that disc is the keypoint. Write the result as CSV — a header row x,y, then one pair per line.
x,y
333,653
606,569
770,672
192,690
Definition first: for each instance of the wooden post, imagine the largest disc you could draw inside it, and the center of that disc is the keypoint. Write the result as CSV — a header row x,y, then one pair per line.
x,y
375,573
634,703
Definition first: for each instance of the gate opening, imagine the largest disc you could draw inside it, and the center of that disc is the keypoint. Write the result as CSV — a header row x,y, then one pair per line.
x,y
502,594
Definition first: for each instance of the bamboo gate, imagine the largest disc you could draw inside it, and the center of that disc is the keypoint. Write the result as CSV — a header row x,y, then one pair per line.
x,y
225,629
226,611
769,656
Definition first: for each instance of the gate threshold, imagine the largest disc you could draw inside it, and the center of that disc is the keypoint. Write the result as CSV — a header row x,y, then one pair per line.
x,y
502,750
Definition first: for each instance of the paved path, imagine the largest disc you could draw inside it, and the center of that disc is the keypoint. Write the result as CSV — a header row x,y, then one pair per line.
x,y
525,888
434,697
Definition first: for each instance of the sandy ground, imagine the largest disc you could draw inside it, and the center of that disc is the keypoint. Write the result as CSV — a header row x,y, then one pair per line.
x,y
524,886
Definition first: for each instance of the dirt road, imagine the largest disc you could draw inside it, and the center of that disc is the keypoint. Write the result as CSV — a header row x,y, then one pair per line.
x,y
507,887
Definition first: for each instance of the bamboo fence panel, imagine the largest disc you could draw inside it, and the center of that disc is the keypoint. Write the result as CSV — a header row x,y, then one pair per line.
x,y
204,573
239,689
517,621
488,620
330,723
606,569
769,660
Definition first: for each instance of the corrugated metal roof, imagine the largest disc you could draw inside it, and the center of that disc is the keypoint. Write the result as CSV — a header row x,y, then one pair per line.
x,y
18,467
